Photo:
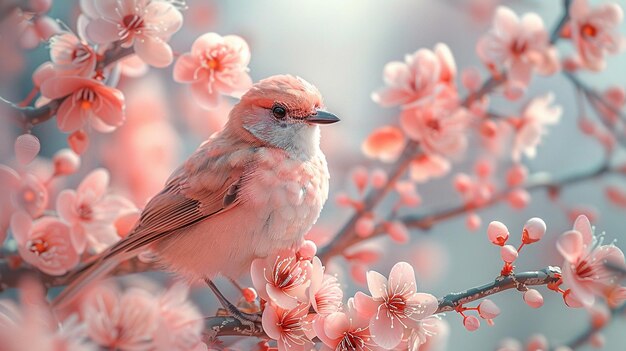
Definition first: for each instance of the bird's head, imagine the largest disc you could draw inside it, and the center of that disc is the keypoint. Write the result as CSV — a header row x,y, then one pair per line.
x,y
283,111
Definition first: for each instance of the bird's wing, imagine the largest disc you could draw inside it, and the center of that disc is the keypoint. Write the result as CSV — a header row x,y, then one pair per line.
x,y
205,186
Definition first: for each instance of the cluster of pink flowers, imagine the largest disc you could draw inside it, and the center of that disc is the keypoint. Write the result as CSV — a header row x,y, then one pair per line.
x,y
303,302
134,319
86,218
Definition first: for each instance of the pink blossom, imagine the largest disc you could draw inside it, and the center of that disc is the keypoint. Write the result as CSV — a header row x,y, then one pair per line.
x,y
519,45
385,143
31,326
46,243
431,335
419,78
584,269
595,32
325,294
215,66
437,128
538,114
72,56
282,279
145,25
87,101
287,327
124,321
394,305
91,212
180,324
346,330
22,191
428,166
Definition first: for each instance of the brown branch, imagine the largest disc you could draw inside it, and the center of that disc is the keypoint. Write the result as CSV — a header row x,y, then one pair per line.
x,y
519,281
427,221
556,32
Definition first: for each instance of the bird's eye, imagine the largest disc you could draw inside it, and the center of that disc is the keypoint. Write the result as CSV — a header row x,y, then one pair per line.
x,y
279,112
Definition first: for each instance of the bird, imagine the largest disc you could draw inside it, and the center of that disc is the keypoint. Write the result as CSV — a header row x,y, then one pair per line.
x,y
249,191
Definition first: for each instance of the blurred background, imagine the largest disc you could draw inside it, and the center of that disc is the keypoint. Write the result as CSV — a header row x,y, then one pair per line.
x,y
341,46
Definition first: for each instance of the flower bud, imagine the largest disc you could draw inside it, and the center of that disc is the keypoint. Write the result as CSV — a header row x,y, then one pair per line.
x,y
533,231
364,226
498,233
65,162
533,298
471,323
379,178
308,250
488,309
398,232
473,221
518,198
27,147
249,294
508,253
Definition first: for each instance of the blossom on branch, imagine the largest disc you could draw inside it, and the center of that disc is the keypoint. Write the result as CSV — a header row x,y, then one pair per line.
x,y
585,269
215,66
595,32
146,25
519,46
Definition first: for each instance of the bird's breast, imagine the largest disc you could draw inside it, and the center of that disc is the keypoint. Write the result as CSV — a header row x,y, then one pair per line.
x,y
287,195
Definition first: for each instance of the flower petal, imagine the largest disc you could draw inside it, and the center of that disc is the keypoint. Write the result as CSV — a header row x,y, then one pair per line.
x,y
386,331
377,284
570,245
154,51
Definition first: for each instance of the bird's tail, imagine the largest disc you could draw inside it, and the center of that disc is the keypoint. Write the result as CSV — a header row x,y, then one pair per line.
x,y
87,275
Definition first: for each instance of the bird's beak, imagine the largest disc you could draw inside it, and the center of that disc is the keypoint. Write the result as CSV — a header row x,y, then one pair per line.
x,y
322,117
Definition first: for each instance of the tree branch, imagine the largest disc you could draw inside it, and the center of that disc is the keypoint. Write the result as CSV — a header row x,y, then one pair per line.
x,y
347,234
519,281
223,326
427,221
556,32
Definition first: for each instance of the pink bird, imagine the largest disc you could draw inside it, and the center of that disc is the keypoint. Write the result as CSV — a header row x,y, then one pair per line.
x,y
251,190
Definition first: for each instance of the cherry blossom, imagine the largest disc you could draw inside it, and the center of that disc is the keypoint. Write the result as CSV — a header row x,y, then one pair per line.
x,y
538,114
584,269
126,321
145,25
86,101
287,327
428,166
437,128
46,243
91,212
346,330
519,45
595,32
215,66
180,324
420,77
394,305
72,56
325,294
282,279
32,326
